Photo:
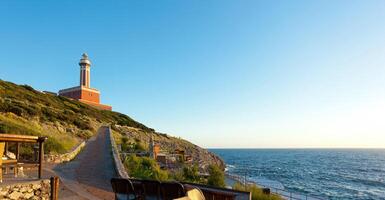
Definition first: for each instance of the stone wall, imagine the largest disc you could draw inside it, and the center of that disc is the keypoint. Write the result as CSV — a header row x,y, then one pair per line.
x,y
67,156
36,190
120,170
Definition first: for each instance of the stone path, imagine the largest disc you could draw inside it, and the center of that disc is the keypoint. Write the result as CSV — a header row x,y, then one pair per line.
x,y
88,175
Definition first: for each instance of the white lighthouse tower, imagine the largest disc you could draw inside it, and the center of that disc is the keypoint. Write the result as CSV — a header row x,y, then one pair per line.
x,y
84,92
85,65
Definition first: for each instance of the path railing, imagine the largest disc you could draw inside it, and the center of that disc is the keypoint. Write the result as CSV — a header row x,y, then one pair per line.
x,y
291,195
281,192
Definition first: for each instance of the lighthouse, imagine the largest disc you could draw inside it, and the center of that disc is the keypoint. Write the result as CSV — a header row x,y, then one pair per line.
x,y
85,65
84,93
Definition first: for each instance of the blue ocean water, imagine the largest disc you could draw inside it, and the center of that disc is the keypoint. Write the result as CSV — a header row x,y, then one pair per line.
x,y
328,173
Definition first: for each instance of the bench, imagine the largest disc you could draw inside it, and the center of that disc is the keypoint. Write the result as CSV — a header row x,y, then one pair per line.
x,y
16,166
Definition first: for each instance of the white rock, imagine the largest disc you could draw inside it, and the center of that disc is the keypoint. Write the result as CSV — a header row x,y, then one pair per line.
x,y
3,193
15,195
36,186
23,189
11,155
28,195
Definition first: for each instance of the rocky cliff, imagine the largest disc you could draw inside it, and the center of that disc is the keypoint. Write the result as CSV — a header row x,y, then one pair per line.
x,y
200,156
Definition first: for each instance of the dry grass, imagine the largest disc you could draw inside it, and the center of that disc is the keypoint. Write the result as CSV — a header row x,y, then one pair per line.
x,y
58,142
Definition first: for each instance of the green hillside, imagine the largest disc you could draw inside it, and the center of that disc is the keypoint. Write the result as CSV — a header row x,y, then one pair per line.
x,y
24,110
67,122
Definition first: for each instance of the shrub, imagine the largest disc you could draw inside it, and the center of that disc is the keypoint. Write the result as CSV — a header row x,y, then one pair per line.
x,y
66,116
216,177
32,110
191,174
15,109
124,139
177,175
84,134
145,168
139,146
15,129
48,114
256,192
82,124
27,87
124,145
3,128
53,145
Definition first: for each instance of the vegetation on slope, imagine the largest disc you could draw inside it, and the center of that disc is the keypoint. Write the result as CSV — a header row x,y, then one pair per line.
x,y
217,176
25,101
24,110
56,142
148,168
66,122
201,157
145,168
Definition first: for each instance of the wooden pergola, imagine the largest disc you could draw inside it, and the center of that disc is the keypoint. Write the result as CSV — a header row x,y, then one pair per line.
x,y
18,139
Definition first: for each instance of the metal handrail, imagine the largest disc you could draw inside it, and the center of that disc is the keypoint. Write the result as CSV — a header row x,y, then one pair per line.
x,y
291,195
281,192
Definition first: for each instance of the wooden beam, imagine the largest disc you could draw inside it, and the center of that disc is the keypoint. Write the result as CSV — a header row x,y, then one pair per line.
x,y
21,138
24,140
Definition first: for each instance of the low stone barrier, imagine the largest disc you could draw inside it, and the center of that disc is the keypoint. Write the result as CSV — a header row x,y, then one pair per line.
x,y
36,190
119,167
67,156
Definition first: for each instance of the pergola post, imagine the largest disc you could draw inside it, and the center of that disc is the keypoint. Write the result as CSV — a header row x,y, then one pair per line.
x,y
6,148
17,153
41,155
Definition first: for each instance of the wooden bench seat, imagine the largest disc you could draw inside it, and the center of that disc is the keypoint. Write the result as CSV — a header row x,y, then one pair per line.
x,y
7,164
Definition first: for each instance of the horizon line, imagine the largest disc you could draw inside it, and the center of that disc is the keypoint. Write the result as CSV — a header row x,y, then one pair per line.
x,y
294,148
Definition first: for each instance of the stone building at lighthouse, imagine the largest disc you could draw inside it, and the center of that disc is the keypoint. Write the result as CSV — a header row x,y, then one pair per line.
x,y
84,93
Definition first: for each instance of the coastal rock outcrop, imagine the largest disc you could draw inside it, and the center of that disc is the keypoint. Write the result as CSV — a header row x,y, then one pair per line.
x,y
200,156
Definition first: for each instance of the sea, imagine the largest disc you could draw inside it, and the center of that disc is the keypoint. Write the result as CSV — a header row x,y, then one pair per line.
x,y
323,173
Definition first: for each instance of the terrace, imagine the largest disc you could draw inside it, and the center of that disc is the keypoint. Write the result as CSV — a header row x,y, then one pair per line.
x,y
15,163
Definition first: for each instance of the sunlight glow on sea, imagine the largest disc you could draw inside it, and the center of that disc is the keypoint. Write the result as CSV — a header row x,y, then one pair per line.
x,y
329,173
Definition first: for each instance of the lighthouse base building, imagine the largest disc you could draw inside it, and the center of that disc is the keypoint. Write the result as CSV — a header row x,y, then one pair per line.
x,y
84,93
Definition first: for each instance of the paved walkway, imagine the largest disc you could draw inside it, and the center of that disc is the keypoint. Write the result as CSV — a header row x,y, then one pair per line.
x,y
88,175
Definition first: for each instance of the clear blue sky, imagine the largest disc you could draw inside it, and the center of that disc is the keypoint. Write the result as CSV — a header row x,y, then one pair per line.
x,y
219,73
